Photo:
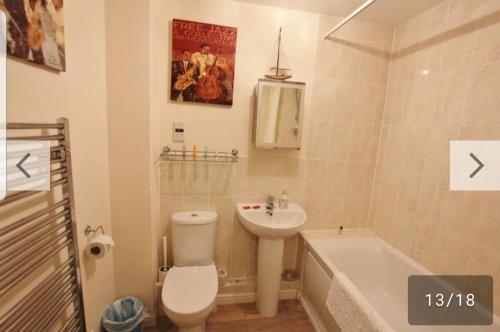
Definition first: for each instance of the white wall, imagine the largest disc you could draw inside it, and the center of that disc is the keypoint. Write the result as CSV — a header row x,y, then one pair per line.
x,y
127,31
39,95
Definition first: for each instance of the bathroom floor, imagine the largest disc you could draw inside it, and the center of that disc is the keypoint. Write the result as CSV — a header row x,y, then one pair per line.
x,y
244,318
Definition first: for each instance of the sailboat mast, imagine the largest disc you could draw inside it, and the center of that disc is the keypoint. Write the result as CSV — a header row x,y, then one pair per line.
x,y
279,49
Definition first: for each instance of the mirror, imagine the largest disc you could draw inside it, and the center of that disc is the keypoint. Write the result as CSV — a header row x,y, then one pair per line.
x,y
280,107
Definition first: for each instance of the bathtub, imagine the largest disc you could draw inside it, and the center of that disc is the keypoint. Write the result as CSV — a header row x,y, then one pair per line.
x,y
379,271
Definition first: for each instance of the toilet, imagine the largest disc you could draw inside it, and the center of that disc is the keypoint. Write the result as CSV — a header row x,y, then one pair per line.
x,y
190,288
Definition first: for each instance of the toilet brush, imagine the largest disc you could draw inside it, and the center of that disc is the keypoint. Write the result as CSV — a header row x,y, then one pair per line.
x,y
162,273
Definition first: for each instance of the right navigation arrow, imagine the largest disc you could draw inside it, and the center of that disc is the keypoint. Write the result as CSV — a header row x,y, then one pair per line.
x,y
481,165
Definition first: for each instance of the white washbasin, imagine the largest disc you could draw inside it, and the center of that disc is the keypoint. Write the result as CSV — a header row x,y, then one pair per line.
x,y
283,222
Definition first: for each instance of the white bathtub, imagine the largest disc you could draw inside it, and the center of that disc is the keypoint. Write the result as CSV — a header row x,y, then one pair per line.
x,y
379,271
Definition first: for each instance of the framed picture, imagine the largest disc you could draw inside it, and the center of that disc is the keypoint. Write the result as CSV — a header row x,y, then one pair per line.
x,y
203,62
35,31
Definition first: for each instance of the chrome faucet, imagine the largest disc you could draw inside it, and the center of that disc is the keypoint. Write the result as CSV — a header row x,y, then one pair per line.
x,y
270,205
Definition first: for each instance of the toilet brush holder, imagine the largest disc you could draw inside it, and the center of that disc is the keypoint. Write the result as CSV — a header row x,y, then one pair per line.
x,y
162,273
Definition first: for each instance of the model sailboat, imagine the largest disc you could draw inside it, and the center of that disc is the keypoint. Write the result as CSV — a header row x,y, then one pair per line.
x,y
279,70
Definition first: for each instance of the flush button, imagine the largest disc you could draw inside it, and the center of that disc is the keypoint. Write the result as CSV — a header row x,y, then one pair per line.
x,y
475,165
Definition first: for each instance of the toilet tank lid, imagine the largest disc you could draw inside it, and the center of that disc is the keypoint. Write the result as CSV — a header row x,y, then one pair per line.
x,y
194,217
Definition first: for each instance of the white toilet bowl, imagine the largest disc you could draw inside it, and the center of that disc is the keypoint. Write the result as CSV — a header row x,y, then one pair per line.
x,y
188,296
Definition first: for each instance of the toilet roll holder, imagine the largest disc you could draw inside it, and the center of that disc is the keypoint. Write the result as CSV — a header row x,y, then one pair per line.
x,y
89,230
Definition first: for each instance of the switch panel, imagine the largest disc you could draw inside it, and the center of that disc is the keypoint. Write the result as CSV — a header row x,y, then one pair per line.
x,y
178,132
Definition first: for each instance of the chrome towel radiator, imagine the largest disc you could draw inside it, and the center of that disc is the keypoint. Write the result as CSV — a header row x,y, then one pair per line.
x,y
40,282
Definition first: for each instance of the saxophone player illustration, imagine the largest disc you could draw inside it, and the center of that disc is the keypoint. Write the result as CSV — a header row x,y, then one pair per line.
x,y
184,72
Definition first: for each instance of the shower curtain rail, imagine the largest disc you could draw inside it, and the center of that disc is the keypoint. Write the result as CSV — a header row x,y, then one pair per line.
x,y
39,249
349,17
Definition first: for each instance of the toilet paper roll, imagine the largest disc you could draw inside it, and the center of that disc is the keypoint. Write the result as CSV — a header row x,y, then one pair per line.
x,y
99,246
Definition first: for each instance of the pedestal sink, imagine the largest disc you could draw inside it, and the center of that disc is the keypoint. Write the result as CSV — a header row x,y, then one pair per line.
x,y
272,231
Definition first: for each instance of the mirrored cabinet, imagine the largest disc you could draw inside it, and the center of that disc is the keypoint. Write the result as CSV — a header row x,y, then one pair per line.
x,y
279,114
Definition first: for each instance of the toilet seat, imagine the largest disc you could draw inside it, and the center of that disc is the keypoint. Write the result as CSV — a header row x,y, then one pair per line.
x,y
189,292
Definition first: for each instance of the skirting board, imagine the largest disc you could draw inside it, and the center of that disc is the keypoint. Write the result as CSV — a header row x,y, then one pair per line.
x,y
230,298
149,320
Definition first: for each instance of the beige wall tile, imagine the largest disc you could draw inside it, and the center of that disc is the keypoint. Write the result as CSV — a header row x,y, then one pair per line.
x,y
453,96
222,251
225,207
172,176
340,141
423,100
344,102
364,142
462,211
441,89
487,229
483,107
482,261
222,179
331,212
402,230
314,178
243,256
369,105
196,181
335,180
196,203
432,200
398,103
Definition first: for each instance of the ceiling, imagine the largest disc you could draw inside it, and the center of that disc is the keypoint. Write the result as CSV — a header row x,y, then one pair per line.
x,y
389,12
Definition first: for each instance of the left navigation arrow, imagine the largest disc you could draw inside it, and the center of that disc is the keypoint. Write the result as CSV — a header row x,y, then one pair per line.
x,y
20,163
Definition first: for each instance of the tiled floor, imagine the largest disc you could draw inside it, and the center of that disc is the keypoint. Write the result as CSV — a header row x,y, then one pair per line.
x,y
244,318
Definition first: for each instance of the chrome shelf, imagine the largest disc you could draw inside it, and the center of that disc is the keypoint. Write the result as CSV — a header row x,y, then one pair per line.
x,y
200,156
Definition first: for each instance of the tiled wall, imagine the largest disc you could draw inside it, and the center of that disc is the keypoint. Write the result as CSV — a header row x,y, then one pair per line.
x,y
347,107
333,182
443,84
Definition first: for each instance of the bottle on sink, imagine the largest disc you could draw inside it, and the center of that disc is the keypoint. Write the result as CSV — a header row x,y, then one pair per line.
x,y
283,202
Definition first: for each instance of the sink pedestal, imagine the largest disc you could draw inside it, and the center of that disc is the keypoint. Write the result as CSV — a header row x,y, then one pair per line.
x,y
272,229
269,267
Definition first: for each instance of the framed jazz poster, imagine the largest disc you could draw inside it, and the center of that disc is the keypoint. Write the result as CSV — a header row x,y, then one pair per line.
x,y
203,62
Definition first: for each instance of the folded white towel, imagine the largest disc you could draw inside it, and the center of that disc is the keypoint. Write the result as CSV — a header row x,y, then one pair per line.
x,y
351,310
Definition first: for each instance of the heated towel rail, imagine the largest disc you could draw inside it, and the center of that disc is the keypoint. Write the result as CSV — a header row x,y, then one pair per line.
x,y
40,282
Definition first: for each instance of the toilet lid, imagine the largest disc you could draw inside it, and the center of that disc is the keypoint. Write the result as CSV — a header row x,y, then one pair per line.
x,y
190,289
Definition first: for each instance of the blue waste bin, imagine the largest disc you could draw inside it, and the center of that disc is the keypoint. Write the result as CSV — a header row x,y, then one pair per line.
x,y
124,315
